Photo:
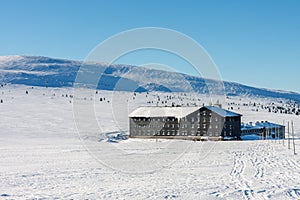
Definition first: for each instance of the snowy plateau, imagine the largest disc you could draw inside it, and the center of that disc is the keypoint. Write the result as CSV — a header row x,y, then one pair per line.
x,y
44,156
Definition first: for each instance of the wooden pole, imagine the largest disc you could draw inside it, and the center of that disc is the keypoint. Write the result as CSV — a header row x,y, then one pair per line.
x,y
278,134
283,135
289,142
275,134
293,138
283,132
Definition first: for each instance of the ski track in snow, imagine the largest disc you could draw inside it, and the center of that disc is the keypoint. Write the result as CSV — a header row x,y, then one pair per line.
x,y
261,160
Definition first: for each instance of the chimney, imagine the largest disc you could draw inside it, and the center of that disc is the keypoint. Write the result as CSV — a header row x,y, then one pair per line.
x,y
218,105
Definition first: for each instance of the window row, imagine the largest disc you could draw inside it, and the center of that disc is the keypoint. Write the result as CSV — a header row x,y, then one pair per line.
x,y
193,126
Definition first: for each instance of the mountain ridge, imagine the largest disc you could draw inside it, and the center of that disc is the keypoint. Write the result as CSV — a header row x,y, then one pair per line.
x,y
56,72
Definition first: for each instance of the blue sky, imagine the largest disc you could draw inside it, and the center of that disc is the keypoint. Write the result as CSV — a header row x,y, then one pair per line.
x,y
252,42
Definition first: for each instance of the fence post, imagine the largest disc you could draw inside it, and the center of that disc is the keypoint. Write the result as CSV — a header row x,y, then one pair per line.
x,y
278,134
283,132
293,138
289,142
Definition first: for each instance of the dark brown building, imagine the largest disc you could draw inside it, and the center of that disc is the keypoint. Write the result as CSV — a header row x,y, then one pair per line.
x,y
184,122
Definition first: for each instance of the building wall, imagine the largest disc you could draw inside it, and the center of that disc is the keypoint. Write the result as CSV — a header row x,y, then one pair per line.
x,y
156,126
274,132
232,127
203,122
211,124
215,125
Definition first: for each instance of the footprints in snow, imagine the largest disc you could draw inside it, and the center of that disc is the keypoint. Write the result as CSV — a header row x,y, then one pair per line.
x,y
260,158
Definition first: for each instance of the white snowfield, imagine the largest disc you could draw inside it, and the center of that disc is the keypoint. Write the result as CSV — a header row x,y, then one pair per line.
x,y
42,156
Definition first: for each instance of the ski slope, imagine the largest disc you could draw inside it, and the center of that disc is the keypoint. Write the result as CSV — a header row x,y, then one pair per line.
x,y
44,157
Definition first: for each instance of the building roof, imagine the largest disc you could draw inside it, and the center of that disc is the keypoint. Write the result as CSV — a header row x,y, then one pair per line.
x,y
178,112
222,112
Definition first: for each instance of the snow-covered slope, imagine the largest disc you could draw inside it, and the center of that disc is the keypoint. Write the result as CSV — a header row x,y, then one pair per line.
x,y
44,71
43,158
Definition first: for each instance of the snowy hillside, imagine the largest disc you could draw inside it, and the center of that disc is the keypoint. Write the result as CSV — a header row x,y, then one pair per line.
x,y
43,71
44,157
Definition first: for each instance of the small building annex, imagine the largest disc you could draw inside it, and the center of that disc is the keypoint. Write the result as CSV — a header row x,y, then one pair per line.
x,y
184,122
263,129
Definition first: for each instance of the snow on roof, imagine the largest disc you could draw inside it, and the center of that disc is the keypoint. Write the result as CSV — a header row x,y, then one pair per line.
x,y
222,112
178,112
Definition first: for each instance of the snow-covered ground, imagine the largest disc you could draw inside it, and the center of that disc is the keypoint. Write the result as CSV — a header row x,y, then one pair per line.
x,y
44,157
